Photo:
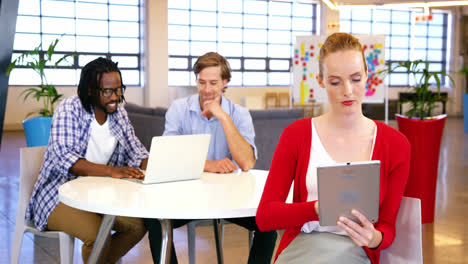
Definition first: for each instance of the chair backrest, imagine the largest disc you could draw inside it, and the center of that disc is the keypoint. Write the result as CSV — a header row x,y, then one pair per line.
x,y
407,246
30,163
268,125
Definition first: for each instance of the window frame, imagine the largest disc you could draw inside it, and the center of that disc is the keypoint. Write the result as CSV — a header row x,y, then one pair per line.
x,y
75,65
191,58
411,38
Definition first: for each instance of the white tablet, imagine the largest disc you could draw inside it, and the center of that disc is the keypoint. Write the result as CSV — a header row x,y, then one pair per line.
x,y
346,186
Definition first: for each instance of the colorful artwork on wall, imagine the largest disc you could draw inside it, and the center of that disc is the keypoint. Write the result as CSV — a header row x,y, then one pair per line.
x,y
306,68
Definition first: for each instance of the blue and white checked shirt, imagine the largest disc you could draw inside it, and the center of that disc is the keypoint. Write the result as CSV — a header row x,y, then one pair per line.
x,y
68,142
183,118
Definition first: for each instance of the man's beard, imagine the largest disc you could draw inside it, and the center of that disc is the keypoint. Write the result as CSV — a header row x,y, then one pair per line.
x,y
99,105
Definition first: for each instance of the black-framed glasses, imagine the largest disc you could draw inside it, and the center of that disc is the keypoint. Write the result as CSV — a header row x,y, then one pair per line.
x,y
107,92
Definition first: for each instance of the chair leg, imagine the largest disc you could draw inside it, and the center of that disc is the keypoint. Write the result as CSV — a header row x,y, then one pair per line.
x,y
191,237
67,244
251,235
218,236
16,248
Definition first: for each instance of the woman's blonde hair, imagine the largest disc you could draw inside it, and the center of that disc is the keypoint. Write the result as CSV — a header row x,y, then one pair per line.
x,y
338,42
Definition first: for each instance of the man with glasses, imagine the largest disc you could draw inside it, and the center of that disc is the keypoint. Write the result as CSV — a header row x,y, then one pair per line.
x,y
90,135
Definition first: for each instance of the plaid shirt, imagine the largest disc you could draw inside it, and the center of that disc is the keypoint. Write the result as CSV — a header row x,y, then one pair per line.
x,y
68,142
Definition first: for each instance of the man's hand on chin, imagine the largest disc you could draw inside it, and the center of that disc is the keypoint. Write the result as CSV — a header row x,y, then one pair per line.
x,y
212,108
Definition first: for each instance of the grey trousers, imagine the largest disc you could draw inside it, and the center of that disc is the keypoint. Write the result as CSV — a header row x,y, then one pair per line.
x,y
322,247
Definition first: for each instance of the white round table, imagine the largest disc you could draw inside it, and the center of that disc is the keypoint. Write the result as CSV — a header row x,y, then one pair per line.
x,y
214,196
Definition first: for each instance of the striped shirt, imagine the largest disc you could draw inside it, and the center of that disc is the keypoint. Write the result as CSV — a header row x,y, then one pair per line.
x,y
69,136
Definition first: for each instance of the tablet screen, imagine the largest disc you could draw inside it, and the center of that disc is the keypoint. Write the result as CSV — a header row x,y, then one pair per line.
x,y
346,186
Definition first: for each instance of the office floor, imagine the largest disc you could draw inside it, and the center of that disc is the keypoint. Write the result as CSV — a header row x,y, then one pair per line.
x,y
444,241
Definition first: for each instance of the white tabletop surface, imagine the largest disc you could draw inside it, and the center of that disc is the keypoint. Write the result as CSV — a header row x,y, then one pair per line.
x,y
213,196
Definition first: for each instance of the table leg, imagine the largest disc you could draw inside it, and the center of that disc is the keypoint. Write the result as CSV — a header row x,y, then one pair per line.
x,y
166,232
219,248
102,236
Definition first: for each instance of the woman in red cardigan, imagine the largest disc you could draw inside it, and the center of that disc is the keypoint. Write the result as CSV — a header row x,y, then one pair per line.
x,y
343,134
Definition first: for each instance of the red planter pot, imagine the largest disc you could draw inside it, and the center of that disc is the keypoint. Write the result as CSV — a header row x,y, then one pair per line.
x,y
425,137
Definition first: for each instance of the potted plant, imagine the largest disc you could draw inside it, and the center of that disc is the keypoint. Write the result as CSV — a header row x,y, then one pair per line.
x,y
423,131
464,71
37,129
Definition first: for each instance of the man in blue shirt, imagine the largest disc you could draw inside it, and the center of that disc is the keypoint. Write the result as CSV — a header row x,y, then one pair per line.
x,y
90,135
232,143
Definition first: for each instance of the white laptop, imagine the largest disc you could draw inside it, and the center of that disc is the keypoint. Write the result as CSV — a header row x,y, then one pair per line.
x,y
346,186
176,158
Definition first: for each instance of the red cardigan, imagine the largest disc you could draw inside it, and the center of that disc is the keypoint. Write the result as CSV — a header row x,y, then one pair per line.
x,y
290,163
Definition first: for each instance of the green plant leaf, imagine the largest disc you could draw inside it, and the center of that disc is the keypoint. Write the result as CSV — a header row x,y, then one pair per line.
x,y
44,92
424,101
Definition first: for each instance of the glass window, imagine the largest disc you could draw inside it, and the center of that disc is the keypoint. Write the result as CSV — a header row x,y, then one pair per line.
x,y
255,36
58,8
231,34
58,25
231,6
398,79
27,24
279,8
231,49
26,41
203,18
235,64
29,7
254,64
276,22
178,17
400,29
92,27
203,5
127,13
405,39
279,51
178,47
231,20
182,4
255,21
84,59
399,55
200,48
203,33
255,7
178,63
89,29
126,61
401,16
279,37
279,64
303,9
124,29
178,32
87,10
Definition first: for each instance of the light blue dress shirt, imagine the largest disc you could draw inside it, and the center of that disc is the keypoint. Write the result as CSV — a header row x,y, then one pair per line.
x,y
183,118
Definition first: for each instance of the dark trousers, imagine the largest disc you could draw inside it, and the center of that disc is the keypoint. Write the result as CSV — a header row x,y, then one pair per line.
x,y
262,246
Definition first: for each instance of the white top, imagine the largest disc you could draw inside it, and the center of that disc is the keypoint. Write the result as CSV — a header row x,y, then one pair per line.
x,y
101,143
320,157
213,196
